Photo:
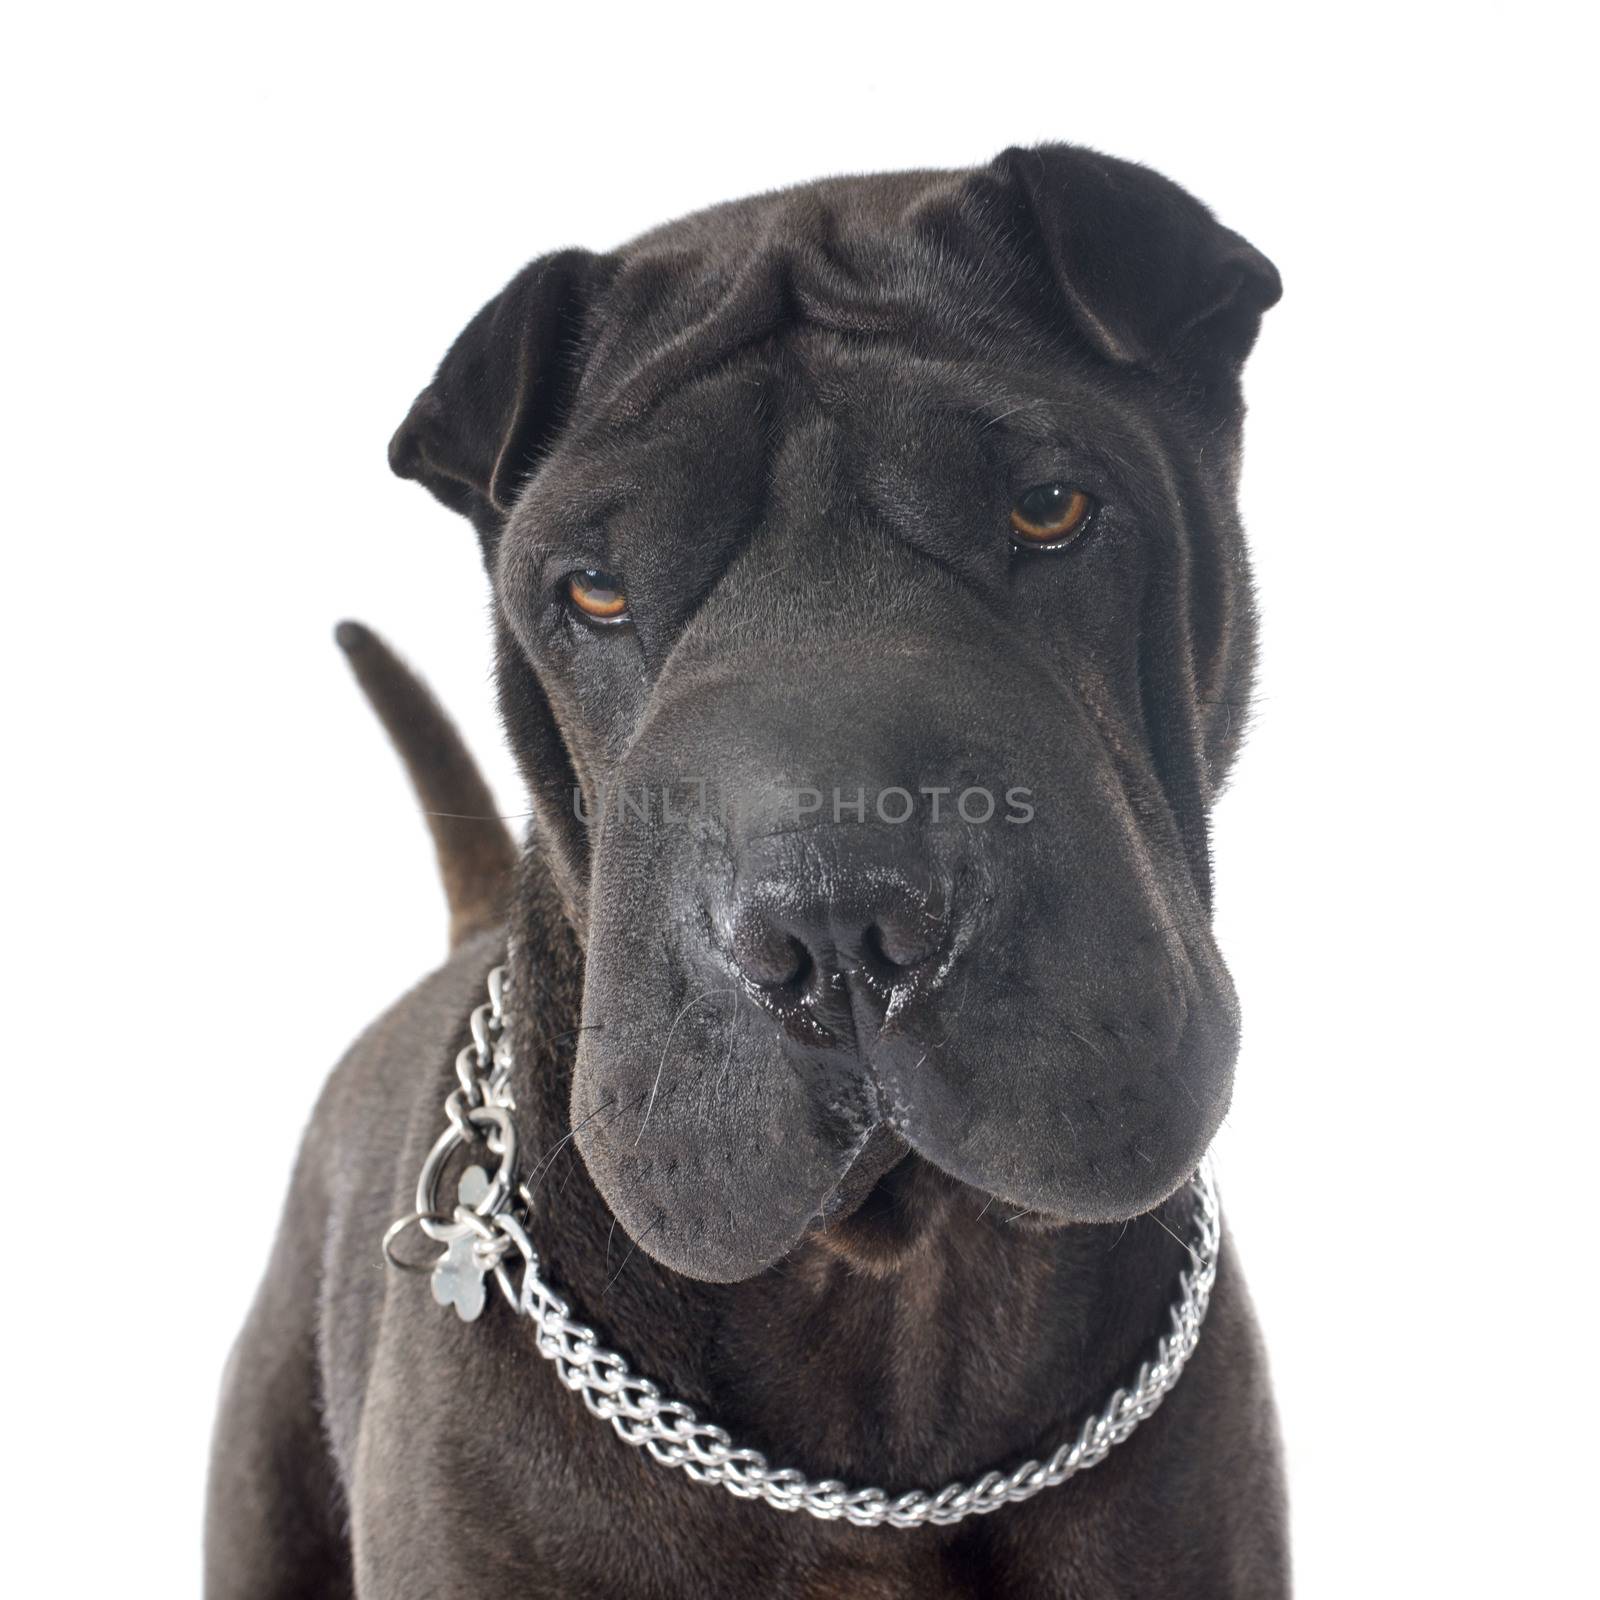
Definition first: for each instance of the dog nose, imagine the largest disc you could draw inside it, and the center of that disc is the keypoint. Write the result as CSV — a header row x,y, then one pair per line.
x,y
793,940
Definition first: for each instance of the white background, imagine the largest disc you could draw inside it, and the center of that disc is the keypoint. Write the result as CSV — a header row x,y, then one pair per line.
x,y
239,243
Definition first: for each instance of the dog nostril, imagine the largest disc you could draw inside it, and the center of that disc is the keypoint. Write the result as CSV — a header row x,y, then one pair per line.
x,y
906,933
794,946
800,967
772,959
895,947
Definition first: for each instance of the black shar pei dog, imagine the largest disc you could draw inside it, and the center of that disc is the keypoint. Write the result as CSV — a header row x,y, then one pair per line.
x,y
821,1097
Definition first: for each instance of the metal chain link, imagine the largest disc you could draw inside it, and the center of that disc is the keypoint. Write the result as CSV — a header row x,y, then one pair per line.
x,y
492,1215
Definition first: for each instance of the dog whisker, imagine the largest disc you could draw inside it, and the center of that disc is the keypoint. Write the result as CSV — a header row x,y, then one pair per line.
x,y
572,1166
855,1150
554,1153
572,1033
545,1162
1155,1218
1027,405
966,989
661,1067
629,1257
481,816
1177,1078
1083,1039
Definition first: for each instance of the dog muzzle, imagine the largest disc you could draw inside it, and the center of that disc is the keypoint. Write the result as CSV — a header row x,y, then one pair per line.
x,y
487,1239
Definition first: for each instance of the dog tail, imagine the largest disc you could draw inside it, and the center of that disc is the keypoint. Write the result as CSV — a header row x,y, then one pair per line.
x,y
475,848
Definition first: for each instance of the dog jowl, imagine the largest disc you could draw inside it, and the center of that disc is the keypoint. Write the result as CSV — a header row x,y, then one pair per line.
x,y
919,485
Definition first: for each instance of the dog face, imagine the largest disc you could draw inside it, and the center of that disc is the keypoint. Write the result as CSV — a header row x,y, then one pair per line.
x,y
866,566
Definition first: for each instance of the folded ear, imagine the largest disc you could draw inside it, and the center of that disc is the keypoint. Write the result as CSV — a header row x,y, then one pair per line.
x,y
500,393
496,403
1148,275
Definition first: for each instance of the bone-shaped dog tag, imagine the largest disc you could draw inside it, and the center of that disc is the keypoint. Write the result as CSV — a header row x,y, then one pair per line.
x,y
458,1276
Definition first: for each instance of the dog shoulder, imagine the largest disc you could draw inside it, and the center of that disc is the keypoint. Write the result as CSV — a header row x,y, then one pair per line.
x,y
398,1071
372,1126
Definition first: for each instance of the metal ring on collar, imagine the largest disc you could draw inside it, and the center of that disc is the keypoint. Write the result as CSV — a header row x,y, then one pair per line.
x,y
427,1200
393,1232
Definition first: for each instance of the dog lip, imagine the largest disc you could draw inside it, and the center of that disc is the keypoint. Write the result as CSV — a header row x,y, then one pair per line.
x,y
881,1152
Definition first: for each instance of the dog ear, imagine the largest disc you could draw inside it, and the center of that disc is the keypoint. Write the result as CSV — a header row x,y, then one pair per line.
x,y
472,436
1150,278
501,391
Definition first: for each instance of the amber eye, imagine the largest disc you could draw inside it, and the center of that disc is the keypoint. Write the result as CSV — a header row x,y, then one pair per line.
x,y
598,595
1050,513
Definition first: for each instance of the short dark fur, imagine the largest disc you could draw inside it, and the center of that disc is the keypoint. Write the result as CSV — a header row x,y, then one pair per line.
x,y
906,1214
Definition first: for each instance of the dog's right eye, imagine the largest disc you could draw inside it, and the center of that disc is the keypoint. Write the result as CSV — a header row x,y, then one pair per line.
x,y
598,595
1049,515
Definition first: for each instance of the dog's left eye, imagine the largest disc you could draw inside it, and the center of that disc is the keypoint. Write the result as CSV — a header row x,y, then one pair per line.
x,y
598,595
1050,514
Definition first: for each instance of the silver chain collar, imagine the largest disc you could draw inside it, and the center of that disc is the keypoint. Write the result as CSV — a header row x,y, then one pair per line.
x,y
486,1235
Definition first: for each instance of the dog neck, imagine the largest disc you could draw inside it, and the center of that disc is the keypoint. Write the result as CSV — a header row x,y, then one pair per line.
x,y
946,1335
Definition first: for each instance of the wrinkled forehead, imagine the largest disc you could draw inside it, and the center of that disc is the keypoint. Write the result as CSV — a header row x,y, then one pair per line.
x,y
845,341
865,260
809,413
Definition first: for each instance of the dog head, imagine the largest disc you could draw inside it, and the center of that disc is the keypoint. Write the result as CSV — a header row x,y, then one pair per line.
x,y
875,634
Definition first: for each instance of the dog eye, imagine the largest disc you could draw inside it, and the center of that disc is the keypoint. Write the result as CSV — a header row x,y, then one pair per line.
x,y
598,595
1050,514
